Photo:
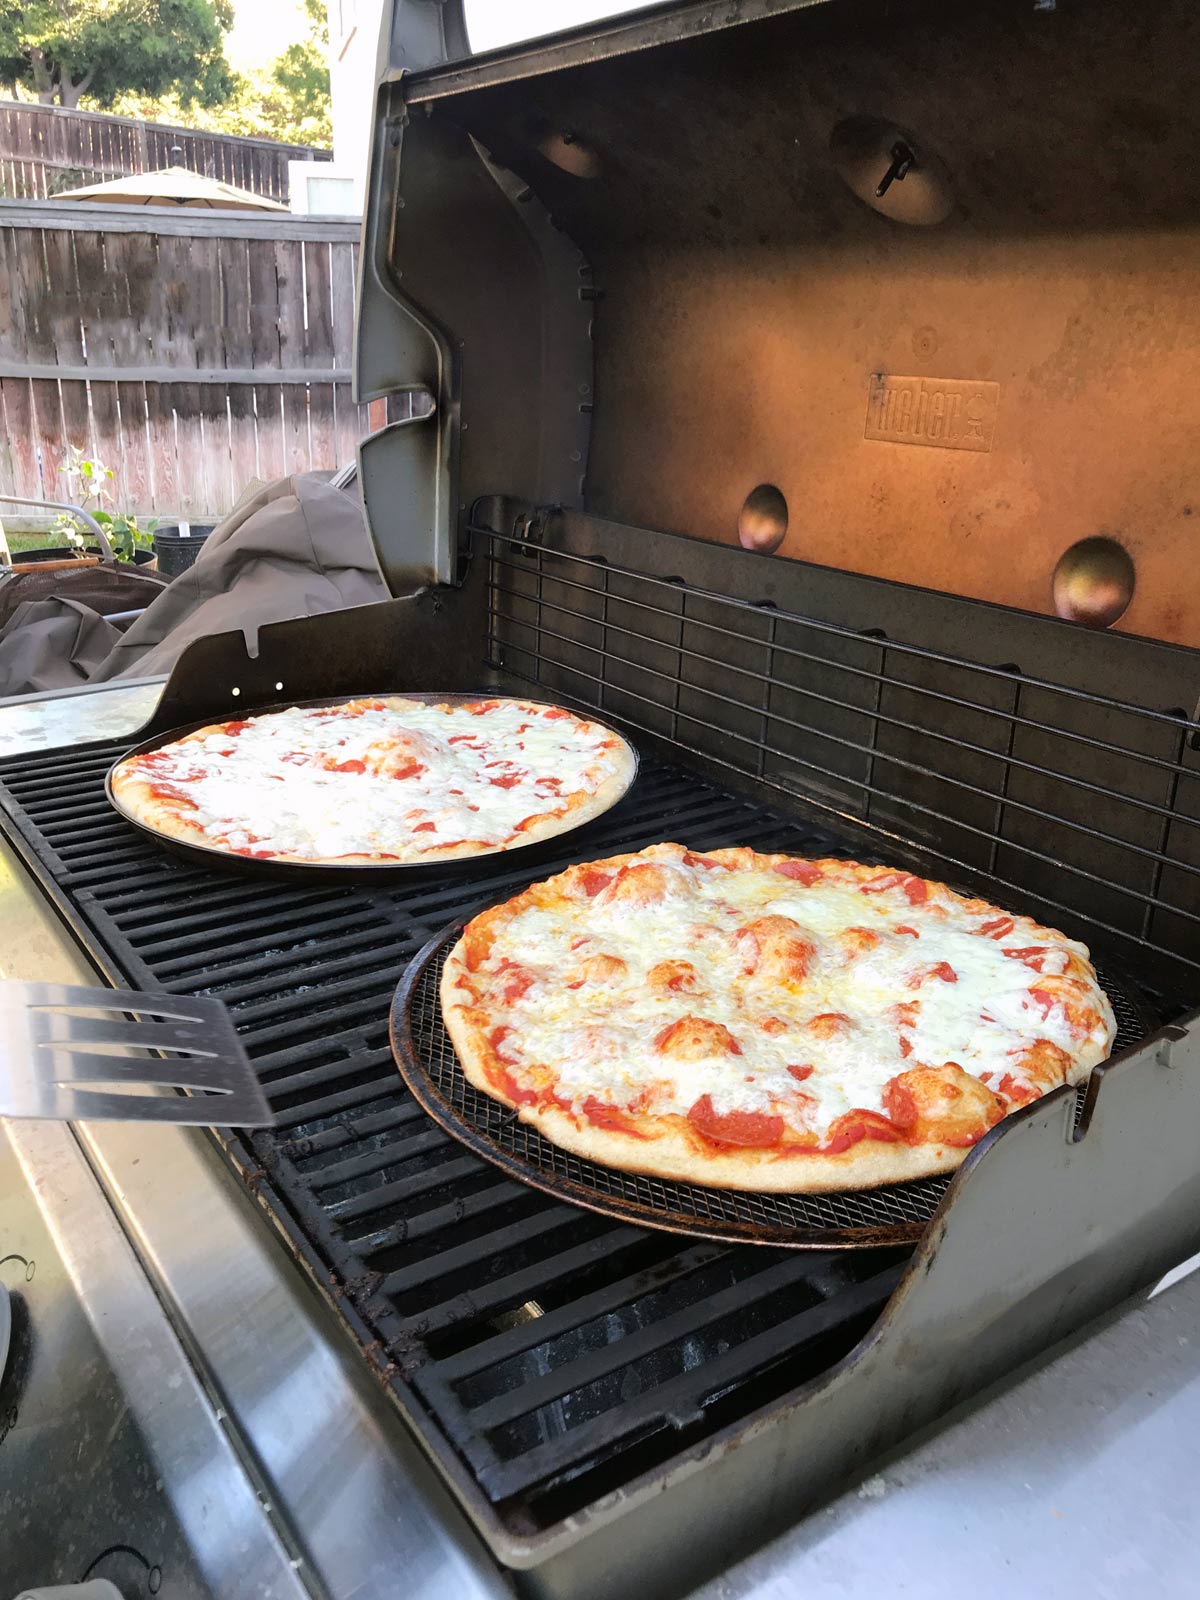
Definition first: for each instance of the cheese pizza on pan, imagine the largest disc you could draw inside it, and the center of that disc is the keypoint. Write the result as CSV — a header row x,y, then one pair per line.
x,y
378,780
765,1022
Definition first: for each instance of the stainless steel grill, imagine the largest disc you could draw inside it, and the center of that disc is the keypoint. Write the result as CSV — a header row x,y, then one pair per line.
x,y
630,338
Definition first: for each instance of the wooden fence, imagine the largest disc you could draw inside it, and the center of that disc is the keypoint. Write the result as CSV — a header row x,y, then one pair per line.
x,y
191,351
45,149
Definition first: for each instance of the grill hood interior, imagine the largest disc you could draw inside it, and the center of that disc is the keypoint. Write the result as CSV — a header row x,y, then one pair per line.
x,y
635,271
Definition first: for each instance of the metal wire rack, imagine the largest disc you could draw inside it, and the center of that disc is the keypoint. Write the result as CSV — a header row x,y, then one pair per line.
x,y
1086,804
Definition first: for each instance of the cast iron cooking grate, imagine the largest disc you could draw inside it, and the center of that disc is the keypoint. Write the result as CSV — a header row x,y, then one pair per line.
x,y
546,1355
892,1215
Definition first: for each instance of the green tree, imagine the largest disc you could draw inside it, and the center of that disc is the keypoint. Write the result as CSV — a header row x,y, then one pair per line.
x,y
61,50
302,72
289,99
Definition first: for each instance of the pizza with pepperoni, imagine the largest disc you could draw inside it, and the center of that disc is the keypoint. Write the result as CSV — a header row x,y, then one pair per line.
x,y
375,781
766,1022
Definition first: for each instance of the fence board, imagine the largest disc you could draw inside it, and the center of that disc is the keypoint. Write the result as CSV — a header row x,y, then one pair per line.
x,y
94,288
236,340
63,332
318,305
11,303
289,277
48,432
77,426
342,258
264,308
297,455
243,438
213,358
173,328
105,433
322,438
190,465
29,281
160,420
20,438
268,402
45,149
219,489
136,474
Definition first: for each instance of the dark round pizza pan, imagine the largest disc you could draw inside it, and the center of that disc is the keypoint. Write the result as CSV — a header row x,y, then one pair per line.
x,y
891,1215
359,872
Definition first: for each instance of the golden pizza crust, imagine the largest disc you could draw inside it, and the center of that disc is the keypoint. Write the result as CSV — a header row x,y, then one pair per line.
x,y
137,799
675,1149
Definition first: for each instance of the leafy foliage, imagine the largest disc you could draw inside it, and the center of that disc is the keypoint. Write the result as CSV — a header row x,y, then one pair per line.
x,y
61,50
88,479
288,100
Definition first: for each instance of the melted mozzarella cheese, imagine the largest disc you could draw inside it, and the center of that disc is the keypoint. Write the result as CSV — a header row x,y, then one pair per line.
x,y
598,1040
270,788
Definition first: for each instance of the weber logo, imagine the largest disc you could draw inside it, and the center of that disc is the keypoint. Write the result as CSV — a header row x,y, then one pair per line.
x,y
947,413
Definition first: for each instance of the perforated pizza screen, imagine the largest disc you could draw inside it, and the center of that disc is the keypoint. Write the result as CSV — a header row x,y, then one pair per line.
x,y
896,1214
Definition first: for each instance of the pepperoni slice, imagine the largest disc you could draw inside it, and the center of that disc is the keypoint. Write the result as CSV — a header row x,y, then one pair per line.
x,y
593,881
852,1127
602,1115
805,872
1031,954
518,981
900,1103
943,970
752,1128
1043,998
916,890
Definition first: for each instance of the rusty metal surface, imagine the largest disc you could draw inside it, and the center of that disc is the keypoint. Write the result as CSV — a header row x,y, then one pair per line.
x,y
749,301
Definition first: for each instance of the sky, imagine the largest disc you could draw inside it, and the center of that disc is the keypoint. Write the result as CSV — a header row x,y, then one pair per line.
x,y
263,28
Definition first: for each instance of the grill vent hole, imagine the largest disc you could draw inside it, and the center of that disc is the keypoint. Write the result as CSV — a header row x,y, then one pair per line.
x,y
763,520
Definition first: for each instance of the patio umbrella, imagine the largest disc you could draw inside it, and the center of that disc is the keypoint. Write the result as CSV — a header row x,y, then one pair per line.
x,y
173,186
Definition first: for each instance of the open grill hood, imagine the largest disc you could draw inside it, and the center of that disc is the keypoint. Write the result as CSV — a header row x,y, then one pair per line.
x,y
644,270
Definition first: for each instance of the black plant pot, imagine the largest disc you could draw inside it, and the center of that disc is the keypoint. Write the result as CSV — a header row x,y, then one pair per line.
x,y
177,551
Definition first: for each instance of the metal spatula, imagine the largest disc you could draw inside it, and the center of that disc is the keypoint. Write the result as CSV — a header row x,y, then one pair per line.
x,y
77,1055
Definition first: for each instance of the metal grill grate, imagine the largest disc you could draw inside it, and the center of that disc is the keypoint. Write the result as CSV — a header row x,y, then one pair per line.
x,y
433,1257
897,1214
